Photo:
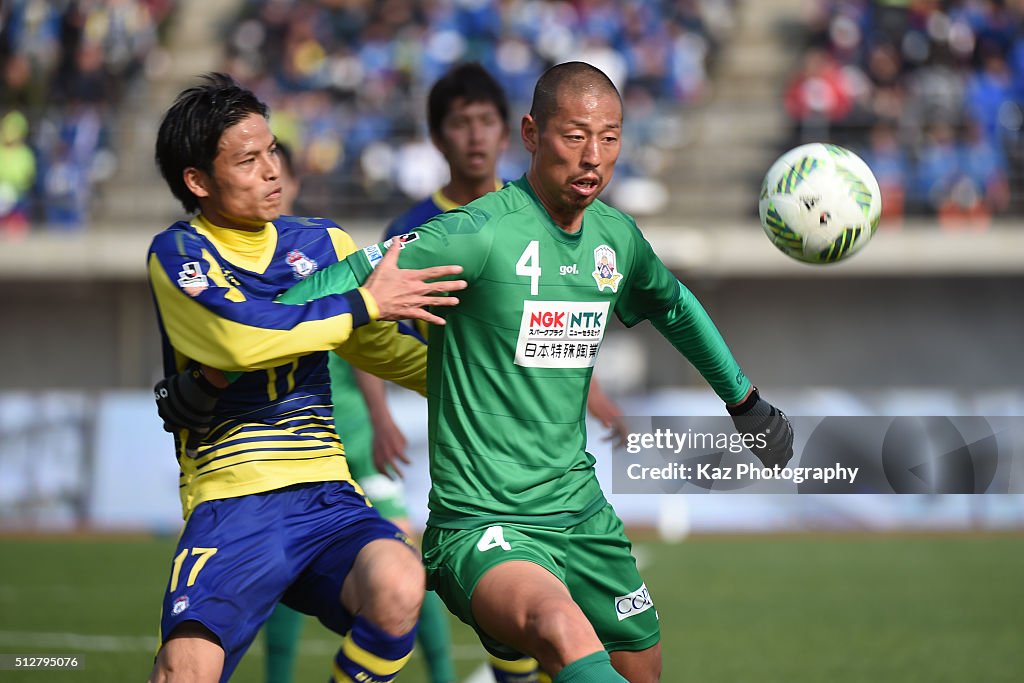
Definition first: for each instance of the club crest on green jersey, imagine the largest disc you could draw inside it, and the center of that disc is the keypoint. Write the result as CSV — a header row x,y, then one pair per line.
x,y
605,272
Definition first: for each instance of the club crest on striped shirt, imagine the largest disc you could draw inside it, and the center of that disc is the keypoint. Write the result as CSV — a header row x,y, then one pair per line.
x,y
301,264
605,271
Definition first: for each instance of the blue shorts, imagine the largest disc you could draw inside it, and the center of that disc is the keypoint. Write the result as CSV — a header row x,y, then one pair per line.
x,y
237,557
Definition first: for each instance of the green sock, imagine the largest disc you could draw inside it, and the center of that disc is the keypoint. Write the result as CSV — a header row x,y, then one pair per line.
x,y
594,668
435,638
283,629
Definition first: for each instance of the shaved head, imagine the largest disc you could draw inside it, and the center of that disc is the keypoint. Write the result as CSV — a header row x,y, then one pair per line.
x,y
581,78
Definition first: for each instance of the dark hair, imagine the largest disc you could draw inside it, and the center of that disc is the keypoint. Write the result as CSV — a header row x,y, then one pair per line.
x,y
472,83
191,129
580,76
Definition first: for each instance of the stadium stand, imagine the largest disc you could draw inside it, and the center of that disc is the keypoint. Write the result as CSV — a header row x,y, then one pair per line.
x,y
710,144
930,93
347,81
65,69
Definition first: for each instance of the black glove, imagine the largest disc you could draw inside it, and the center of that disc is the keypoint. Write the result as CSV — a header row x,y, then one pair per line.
x,y
768,425
186,401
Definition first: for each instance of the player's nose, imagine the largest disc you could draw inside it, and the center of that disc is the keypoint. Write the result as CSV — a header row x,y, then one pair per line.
x,y
590,155
272,167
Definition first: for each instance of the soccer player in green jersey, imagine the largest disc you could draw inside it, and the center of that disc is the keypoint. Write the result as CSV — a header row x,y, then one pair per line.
x,y
521,543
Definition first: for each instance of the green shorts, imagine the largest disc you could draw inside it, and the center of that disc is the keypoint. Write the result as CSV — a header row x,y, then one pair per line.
x,y
593,559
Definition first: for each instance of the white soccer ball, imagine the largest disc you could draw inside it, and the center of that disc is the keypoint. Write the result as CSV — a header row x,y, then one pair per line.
x,y
820,203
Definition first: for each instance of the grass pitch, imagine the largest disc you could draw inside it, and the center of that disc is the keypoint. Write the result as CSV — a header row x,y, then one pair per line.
x,y
768,608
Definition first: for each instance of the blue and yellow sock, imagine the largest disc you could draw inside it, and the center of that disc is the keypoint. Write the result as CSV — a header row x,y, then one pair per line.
x,y
370,654
594,668
435,639
523,670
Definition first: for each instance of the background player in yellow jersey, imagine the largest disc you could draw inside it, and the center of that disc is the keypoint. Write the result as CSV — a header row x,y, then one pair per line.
x,y
271,511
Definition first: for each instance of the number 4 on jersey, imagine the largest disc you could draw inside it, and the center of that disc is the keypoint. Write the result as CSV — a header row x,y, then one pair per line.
x,y
494,537
528,265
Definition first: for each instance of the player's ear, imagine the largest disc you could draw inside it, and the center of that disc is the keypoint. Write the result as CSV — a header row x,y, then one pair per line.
x,y
530,133
197,182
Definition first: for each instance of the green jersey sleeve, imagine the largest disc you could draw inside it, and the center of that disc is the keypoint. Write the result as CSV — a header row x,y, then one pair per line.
x,y
457,237
651,286
689,328
655,294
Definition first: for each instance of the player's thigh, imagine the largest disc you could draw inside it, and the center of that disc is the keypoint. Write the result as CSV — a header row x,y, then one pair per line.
x,y
604,581
457,559
350,526
523,605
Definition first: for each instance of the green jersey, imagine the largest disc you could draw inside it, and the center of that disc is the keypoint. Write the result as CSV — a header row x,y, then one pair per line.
x,y
508,374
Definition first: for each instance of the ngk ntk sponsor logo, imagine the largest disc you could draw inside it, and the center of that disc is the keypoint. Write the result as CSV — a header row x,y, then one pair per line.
x,y
561,334
636,602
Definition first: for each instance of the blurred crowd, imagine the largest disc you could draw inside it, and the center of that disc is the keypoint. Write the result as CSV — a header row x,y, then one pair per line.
x,y
64,65
929,92
347,79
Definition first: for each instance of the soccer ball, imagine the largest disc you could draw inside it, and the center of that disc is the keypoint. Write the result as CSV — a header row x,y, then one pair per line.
x,y
819,203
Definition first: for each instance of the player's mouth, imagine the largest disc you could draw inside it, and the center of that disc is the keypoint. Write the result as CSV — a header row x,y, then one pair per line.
x,y
476,158
275,195
586,185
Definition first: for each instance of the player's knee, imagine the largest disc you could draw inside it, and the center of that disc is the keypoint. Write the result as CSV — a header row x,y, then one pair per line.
x,y
192,653
643,666
408,587
556,624
396,607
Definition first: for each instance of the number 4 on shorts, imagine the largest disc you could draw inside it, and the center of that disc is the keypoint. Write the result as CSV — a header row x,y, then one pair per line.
x,y
494,537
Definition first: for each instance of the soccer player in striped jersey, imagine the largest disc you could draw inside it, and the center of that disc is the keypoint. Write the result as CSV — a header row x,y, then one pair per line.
x,y
521,543
271,511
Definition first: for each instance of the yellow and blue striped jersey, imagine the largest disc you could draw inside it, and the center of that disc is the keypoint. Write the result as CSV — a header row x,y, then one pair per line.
x,y
215,291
